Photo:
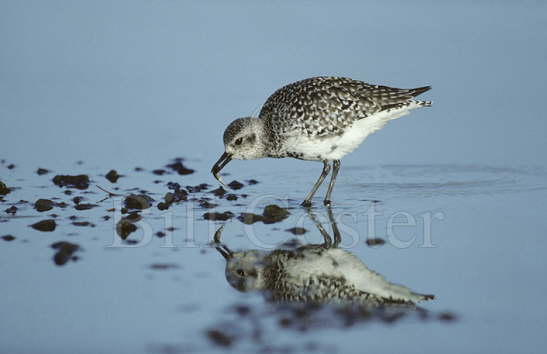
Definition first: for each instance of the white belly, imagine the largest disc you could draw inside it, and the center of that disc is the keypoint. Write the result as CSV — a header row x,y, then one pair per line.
x,y
336,147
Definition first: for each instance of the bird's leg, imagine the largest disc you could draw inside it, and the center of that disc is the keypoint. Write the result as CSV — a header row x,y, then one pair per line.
x,y
335,169
335,231
324,173
324,233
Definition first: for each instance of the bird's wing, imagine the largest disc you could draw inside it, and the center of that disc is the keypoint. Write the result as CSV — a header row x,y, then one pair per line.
x,y
324,106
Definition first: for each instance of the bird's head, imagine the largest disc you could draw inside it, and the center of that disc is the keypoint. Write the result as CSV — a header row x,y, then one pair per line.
x,y
244,271
243,140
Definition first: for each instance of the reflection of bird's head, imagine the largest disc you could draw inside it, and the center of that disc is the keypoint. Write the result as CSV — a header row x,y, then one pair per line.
x,y
244,270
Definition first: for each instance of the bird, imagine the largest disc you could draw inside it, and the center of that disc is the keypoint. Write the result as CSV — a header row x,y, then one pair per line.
x,y
321,118
312,273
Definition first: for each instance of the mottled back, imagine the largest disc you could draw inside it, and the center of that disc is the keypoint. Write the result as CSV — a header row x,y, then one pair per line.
x,y
324,106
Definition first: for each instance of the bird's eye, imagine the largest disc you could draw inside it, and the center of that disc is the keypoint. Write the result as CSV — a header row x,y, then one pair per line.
x,y
240,272
239,141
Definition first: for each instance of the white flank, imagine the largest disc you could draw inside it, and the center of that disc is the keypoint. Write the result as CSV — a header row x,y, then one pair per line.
x,y
334,148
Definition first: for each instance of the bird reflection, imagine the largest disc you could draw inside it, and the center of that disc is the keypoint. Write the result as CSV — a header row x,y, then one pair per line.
x,y
312,273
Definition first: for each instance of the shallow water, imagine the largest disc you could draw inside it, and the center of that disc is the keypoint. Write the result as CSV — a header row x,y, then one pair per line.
x,y
471,239
457,191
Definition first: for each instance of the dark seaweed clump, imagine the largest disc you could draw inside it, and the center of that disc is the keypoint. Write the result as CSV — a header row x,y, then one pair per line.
x,y
4,189
47,225
177,195
11,210
179,167
138,201
41,171
112,176
218,216
42,205
77,181
375,242
271,214
65,252
297,230
125,227
235,185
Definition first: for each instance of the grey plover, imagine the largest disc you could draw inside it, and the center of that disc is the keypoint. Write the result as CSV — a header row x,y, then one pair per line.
x,y
316,273
318,119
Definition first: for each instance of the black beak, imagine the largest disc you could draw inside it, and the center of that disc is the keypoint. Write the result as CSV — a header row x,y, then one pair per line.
x,y
219,165
221,248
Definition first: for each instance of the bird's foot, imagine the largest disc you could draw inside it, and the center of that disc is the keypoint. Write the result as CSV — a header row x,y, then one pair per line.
x,y
327,202
306,204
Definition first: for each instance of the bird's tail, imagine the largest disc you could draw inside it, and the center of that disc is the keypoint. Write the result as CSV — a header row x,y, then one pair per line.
x,y
418,91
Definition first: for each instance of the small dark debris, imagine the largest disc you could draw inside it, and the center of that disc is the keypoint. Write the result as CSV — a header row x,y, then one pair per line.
x,y
206,205
159,172
11,210
138,169
47,225
43,205
68,192
4,189
65,251
78,181
235,185
297,230
106,217
271,214
83,223
375,241
447,316
160,234
163,205
250,218
219,192
10,166
112,176
125,227
274,211
218,216
231,196
179,168
198,188
134,217
8,238
285,322
77,200
219,338
293,243
252,181
242,310
163,266
138,201
176,196
41,171
85,206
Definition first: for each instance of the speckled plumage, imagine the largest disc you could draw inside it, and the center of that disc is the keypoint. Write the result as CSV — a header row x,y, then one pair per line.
x,y
319,273
316,274
288,277
317,119
322,107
